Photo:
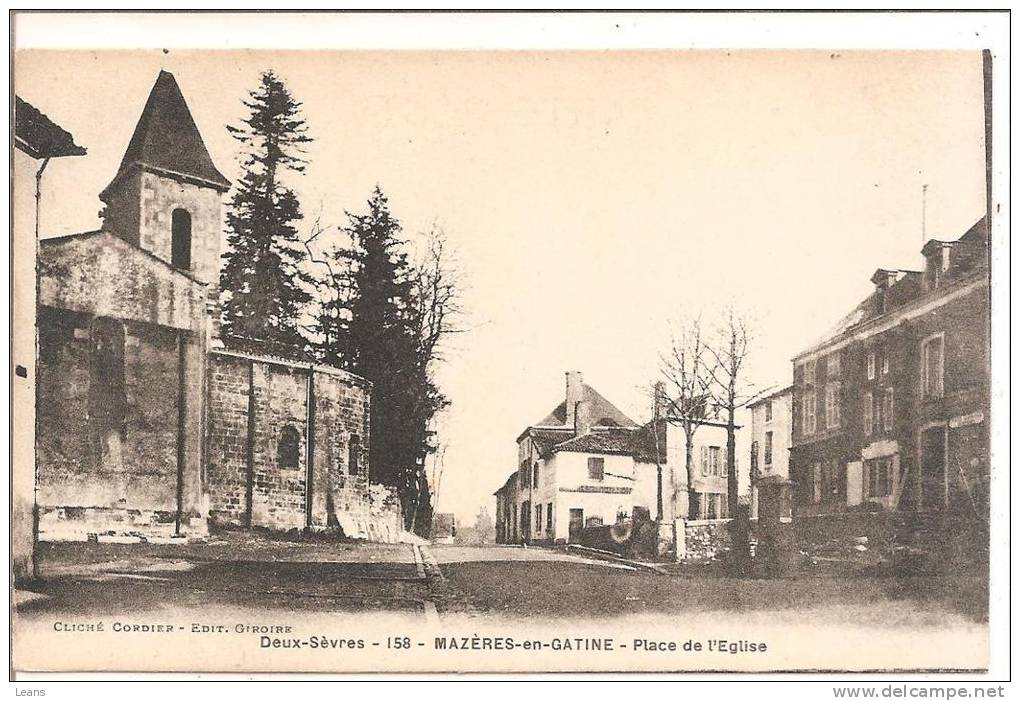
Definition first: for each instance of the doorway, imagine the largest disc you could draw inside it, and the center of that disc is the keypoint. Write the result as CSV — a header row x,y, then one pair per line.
x,y
576,524
933,468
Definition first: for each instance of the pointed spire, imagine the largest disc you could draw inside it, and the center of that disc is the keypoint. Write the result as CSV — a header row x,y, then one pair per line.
x,y
167,140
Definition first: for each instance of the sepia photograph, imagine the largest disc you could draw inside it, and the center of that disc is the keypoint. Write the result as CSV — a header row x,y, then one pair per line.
x,y
439,358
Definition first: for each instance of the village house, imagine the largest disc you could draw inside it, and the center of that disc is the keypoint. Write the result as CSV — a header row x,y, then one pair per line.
x,y
149,425
37,141
890,410
771,432
587,464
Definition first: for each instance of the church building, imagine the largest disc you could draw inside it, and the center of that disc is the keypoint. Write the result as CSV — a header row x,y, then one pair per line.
x,y
147,425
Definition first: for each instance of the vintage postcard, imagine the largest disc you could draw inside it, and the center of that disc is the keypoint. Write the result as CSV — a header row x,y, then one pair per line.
x,y
507,358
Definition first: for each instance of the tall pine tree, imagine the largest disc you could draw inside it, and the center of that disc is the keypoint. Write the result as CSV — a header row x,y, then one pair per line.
x,y
373,329
262,275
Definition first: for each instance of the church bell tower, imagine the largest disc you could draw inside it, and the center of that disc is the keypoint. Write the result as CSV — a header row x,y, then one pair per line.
x,y
166,196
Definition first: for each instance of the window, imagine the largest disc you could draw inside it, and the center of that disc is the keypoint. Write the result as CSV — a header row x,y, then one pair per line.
x,y
538,517
832,365
596,469
754,456
885,365
932,367
816,482
832,406
548,517
768,449
289,448
712,462
180,239
869,417
887,409
871,366
354,454
809,372
879,477
768,410
534,476
808,411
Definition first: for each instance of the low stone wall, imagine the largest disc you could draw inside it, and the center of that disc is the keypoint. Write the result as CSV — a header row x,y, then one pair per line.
x,y
111,524
706,539
371,512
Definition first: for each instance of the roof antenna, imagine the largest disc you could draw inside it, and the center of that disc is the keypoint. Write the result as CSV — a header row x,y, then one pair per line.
x,y
924,214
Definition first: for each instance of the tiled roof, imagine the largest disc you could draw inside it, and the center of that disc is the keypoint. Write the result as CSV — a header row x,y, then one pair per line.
x,y
635,441
607,440
166,138
546,438
38,136
603,413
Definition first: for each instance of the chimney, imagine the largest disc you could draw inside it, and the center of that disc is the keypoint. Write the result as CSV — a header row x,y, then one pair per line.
x,y
659,400
936,262
575,394
582,418
884,279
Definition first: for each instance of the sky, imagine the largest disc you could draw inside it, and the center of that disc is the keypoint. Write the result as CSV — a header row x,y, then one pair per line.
x,y
593,199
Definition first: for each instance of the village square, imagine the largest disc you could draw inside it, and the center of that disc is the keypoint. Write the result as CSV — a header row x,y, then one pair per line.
x,y
231,416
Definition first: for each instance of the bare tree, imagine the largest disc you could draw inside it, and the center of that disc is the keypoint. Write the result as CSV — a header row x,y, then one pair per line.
x,y
438,292
730,388
685,392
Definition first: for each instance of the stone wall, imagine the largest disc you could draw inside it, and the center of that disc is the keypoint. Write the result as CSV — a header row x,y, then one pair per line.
x,y
99,274
707,539
107,442
226,439
340,494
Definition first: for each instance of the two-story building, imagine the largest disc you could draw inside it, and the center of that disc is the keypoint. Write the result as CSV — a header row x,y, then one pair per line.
x,y
771,432
890,410
588,464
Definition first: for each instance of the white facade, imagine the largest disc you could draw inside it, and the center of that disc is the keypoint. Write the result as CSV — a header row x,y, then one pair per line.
x,y
589,488
566,483
709,471
771,434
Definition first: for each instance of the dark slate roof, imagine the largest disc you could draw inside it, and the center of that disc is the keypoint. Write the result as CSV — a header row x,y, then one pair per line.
x,y
910,287
509,481
38,136
603,413
166,138
978,233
